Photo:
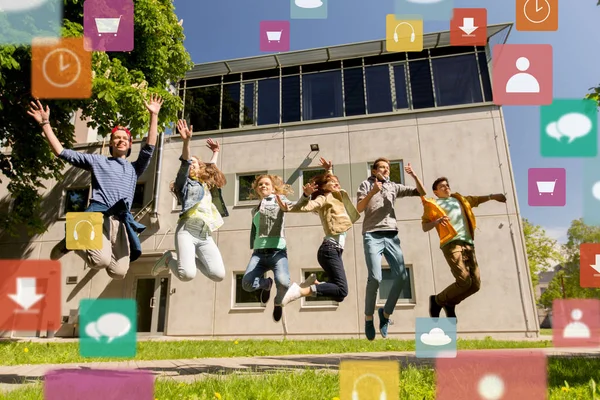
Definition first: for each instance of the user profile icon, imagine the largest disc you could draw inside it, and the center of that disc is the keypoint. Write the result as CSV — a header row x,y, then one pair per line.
x,y
84,230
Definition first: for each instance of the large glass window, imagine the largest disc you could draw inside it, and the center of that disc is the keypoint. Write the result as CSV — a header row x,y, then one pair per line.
x,y
268,101
244,189
456,80
290,101
138,196
387,280
318,300
231,106
76,199
485,76
420,84
249,107
243,298
308,174
354,91
202,107
322,95
379,91
400,87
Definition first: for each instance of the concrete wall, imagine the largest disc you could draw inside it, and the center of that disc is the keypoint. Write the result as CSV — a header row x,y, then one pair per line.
x,y
465,144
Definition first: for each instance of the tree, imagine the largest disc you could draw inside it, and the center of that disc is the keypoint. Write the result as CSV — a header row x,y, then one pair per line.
x,y
120,83
541,249
565,284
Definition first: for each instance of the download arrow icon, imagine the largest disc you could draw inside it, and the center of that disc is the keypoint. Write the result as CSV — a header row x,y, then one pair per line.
x,y
597,265
26,295
468,26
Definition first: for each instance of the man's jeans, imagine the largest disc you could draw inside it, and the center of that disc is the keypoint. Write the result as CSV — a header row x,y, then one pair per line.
x,y
377,244
264,260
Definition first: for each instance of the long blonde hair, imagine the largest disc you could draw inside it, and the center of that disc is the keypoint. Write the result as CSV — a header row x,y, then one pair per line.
x,y
280,187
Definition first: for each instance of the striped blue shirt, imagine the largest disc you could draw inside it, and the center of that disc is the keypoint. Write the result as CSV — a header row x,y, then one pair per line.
x,y
113,178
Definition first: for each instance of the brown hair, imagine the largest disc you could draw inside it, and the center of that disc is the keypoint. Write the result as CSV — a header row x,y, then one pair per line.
x,y
380,159
209,174
320,181
277,182
438,181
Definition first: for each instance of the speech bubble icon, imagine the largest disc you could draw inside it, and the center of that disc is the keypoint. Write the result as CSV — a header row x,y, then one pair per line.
x,y
113,325
596,190
20,5
91,331
574,125
552,131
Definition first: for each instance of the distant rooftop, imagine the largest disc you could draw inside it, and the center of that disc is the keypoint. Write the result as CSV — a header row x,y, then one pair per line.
x,y
497,34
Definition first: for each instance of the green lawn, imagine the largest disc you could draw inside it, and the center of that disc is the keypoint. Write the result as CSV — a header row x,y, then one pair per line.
x,y
545,332
416,383
17,353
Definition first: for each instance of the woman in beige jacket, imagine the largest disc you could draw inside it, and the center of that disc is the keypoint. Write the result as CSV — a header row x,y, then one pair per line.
x,y
323,195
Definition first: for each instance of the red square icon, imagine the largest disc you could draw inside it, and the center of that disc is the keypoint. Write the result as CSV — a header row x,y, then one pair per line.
x,y
589,269
30,295
522,74
576,323
468,27
481,374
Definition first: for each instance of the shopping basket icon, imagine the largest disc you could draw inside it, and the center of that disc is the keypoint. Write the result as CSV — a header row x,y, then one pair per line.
x,y
546,187
107,25
274,36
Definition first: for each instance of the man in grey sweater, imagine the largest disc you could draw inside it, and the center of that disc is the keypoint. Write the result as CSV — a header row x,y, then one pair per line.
x,y
376,197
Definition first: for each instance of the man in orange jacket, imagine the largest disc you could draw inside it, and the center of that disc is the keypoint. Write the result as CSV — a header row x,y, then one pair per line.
x,y
452,216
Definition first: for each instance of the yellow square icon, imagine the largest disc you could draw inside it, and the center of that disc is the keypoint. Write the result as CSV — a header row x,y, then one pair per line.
x,y
403,35
367,380
84,230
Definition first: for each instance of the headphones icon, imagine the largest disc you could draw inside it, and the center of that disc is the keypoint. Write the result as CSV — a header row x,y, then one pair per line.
x,y
92,235
382,396
412,35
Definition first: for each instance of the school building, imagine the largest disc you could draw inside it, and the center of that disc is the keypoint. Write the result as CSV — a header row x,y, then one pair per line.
x,y
278,114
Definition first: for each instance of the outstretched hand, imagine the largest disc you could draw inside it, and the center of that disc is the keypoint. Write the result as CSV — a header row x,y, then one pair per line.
x,y
36,110
284,207
213,146
408,169
155,103
310,188
328,165
184,131
499,197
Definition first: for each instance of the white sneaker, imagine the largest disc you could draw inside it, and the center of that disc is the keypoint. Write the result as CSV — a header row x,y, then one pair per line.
x,y
312,278
162,264
292,294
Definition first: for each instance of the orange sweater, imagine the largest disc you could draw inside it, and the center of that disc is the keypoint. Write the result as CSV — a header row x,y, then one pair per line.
x,y
432,211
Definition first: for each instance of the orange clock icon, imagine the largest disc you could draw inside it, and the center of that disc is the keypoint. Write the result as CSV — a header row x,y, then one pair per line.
x,y
61,69
537,15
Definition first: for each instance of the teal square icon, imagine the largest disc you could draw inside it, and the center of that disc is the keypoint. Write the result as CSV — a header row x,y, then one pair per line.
x,y
569,128
435,337
308,9
107,327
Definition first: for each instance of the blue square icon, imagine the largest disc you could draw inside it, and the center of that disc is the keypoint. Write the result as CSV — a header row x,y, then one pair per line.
x,y
435,337
308,9
107,327
591,191
429,10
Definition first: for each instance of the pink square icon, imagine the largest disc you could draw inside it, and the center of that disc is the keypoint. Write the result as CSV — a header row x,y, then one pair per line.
x,y
481,374
522,74
275,36
576,323
108,25
547,187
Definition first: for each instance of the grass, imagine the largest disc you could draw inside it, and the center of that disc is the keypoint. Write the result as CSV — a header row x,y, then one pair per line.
x,y
545,332
18,353
416,383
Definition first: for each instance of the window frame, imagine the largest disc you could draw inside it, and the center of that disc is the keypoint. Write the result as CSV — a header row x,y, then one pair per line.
x,y
62,214
235,306
245,203
316,304
401,302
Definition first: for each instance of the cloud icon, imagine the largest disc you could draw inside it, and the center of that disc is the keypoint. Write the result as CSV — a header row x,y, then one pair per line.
x,y
435,337
20,5
304,3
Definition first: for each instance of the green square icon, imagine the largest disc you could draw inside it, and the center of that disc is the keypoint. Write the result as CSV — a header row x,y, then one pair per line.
x,y
569,128
107,327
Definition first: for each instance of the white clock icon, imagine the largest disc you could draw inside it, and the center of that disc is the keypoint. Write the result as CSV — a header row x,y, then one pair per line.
x,y
537,17
68,71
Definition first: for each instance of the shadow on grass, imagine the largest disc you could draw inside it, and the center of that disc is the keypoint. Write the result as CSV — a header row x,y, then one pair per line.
x,y
574,370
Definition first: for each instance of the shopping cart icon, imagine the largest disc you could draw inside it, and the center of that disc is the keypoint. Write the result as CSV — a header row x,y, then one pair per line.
x,y
107,25
274,36
546,187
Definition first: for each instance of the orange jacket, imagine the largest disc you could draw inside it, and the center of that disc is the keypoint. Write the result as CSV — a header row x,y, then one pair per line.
x,y
432,211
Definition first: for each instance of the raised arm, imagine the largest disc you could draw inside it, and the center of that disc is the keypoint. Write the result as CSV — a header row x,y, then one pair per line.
x,y
215,148
154,108
186,136
408,169
42,117
328,165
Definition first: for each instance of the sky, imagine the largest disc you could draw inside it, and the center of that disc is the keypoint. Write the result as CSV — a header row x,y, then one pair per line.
x,y
228,29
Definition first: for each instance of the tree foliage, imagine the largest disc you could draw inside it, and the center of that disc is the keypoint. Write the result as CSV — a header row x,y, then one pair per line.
x,y
541,250
566,282
121,81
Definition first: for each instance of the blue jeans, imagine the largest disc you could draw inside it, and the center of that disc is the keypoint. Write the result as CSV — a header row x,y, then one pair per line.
x,y
377,244
264,260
